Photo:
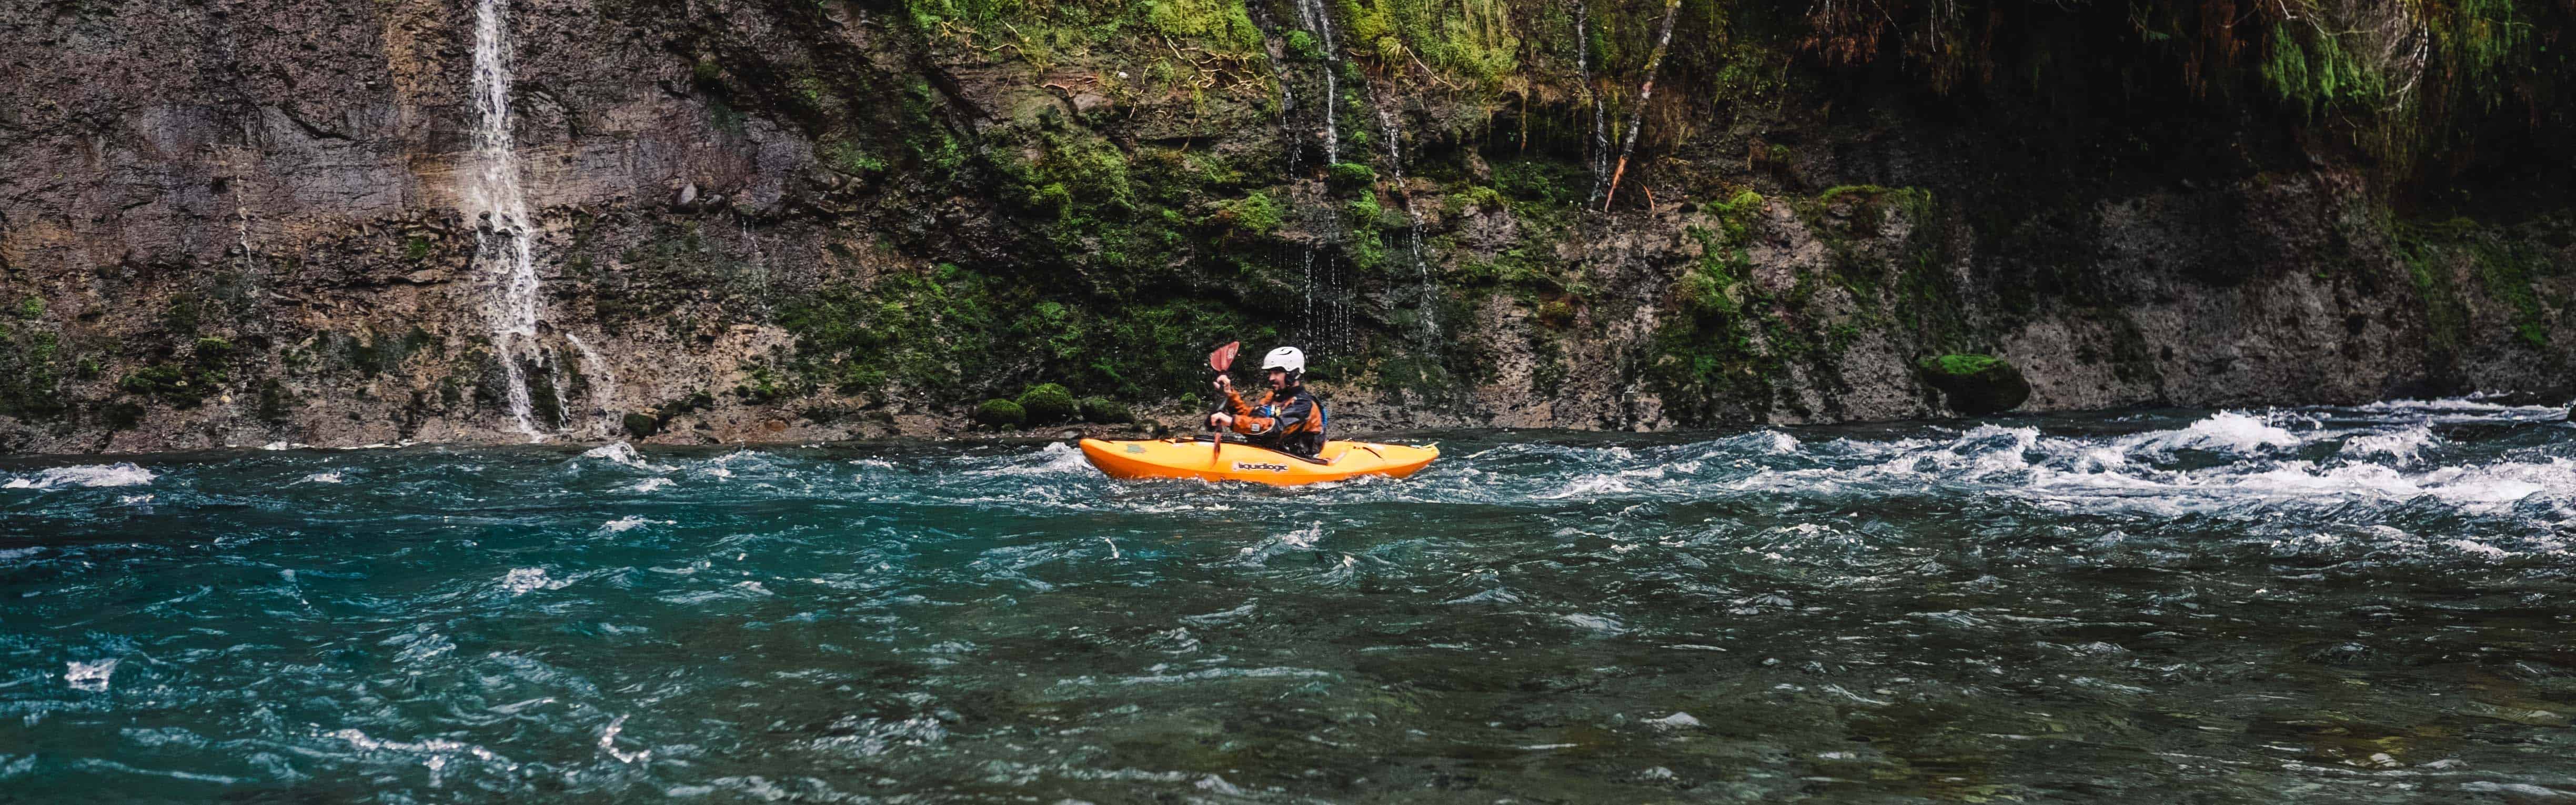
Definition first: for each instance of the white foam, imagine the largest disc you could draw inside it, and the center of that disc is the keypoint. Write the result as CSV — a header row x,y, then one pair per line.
x,y
325,477
2479,548
1593,485
2404,445
608,743
524,580
1677,720
2226,431
630,523
90,475
89,676
620,453
649,484
2474,404
1594,623
1059,458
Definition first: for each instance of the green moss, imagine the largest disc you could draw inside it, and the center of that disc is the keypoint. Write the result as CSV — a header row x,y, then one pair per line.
x,y
1349,175
917,330
1364,214
1476,197
1542,182
1471,41
2503,267
416,249
641,426
1102,410
2507,270
1976,385
763,385
1046,404
850,158
33,307
1304,47
1227,24
375,355
1000,414
1959,364
165,382
181,317
1256,214
184,384
31,374
1077,176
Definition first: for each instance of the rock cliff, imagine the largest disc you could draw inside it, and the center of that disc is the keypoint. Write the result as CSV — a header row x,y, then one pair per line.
x,y
239,223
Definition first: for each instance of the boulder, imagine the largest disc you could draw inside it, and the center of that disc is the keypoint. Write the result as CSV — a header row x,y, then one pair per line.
x,y
1976,385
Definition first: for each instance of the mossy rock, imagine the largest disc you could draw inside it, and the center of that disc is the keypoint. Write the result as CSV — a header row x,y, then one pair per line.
x,y
1346,175
1976,385
1102,411
1000,414
642,426
1046,404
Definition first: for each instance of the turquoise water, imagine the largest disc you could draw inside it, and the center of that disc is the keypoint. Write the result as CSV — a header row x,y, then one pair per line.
x,y
2359,604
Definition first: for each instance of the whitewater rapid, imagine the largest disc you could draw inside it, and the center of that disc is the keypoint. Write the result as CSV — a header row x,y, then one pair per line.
x,y
2353,604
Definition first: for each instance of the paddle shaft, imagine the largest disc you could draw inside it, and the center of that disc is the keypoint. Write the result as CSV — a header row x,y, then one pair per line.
x,y
1218,362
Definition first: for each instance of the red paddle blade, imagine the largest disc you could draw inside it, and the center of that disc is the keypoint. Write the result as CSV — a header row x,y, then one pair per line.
x,y
1223,358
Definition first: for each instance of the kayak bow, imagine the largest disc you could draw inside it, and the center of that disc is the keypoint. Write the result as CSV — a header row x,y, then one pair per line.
x,y
1186,459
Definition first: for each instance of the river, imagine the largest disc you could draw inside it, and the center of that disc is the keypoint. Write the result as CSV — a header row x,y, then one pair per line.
x,y
2353,604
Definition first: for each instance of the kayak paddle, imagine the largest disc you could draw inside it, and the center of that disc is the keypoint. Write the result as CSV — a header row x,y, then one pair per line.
x,y
1220,361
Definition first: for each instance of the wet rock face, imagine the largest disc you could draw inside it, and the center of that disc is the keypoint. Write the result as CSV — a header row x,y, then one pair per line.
x,y
793,221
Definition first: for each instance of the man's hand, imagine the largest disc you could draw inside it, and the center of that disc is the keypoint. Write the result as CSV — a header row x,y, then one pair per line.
x,y
1224,382
1220,421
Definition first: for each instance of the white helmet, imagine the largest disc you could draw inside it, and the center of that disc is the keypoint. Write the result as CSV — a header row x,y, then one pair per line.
x,y
1285,358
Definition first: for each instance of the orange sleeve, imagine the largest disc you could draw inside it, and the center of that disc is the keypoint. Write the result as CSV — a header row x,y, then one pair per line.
x,y
1247,424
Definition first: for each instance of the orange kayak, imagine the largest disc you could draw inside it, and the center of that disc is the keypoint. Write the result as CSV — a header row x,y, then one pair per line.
x,y
1243,462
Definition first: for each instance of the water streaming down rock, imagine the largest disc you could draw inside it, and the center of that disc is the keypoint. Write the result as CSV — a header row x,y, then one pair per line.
x,y
1597,150
1319,22
1427,294
1325,326
504,235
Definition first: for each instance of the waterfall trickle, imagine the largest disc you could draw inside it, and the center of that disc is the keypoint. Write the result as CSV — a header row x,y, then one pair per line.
x,y
1320,23
504,242
1429,293
1598,149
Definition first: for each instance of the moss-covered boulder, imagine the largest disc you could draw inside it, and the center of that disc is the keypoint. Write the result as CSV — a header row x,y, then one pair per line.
x,y
1976,385
1103,411
1047,404
1348,175
642,426
1000,414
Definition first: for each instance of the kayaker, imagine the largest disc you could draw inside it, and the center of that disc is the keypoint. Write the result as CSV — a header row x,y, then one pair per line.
x,y
1288,419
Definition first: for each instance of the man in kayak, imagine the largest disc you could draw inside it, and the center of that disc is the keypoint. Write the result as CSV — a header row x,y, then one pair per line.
x,y
1288,419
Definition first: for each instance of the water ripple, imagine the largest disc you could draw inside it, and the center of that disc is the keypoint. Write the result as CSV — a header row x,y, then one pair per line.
x,y
2347,603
